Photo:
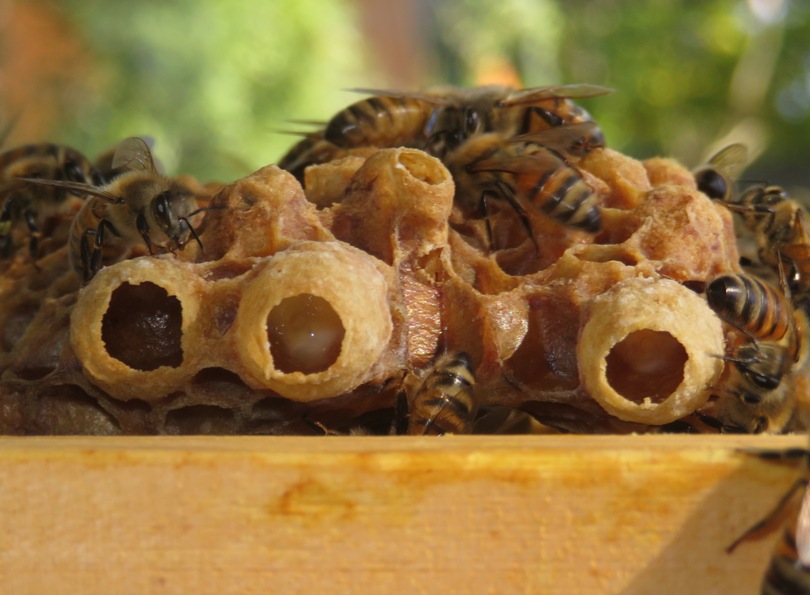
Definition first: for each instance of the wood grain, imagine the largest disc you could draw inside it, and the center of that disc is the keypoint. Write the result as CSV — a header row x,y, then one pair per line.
x,y
551,514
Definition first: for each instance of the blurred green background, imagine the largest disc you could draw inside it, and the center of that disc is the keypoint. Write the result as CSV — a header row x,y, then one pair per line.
x,y
215,82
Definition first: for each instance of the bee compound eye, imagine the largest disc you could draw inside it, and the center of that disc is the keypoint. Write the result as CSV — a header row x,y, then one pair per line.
x,y
73,171
162,203
712,183
471,120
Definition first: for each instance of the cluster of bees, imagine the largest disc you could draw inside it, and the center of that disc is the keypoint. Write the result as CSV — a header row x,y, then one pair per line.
x,y
501,145
521,148
508,150
126,201
771,319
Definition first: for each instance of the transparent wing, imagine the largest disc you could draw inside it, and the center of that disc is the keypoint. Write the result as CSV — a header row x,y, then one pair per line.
x,y
564,138
133,154
535,94
537,161
433,98
730,160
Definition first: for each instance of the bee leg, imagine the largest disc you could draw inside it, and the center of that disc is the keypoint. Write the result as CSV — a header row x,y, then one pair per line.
x,y
507,193
318,427
758,210
771,520
34,232
484,213
192,230
91,257
143,229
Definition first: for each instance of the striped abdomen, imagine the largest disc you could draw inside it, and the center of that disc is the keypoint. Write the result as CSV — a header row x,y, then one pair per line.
x,y
756,308
445,402
380,121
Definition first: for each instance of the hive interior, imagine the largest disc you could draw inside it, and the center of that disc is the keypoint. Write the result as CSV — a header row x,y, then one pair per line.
x,y
308,307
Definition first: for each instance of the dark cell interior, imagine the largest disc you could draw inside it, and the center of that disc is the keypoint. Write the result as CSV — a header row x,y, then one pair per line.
x,y
143,327
646,364
305,334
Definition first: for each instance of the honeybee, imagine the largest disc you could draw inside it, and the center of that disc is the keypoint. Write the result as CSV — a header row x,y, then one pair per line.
x,y
442,120
752,306
718,177
33,203
313,148
572,140
757,397
777,222
529,175
444,402
789,568
138,204
779,226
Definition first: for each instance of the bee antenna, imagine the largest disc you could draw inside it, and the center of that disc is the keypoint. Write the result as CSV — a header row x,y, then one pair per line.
x,y
192,230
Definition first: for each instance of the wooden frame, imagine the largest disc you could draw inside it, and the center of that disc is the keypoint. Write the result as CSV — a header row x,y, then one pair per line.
x,y
545,514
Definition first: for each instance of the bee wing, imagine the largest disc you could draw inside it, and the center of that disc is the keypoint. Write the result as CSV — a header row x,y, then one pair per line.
x,y
803,529
801,235
75,187
730,160
432,98
563,138
536,161
133,154
535,94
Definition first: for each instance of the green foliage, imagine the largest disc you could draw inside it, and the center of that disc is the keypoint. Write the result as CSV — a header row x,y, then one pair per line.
x,y
687,74
214,82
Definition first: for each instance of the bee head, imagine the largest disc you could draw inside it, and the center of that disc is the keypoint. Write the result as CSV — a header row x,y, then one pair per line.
x,y
452,126
763,365
171,210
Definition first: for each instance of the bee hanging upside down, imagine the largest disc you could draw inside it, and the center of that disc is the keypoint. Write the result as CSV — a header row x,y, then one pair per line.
x,y
444,402
757,394
138,204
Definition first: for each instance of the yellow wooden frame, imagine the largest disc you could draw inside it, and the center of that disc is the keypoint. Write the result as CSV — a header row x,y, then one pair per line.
x,y
465,514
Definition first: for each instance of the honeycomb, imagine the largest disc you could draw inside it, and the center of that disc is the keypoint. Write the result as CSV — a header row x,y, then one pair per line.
x,y
307,309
